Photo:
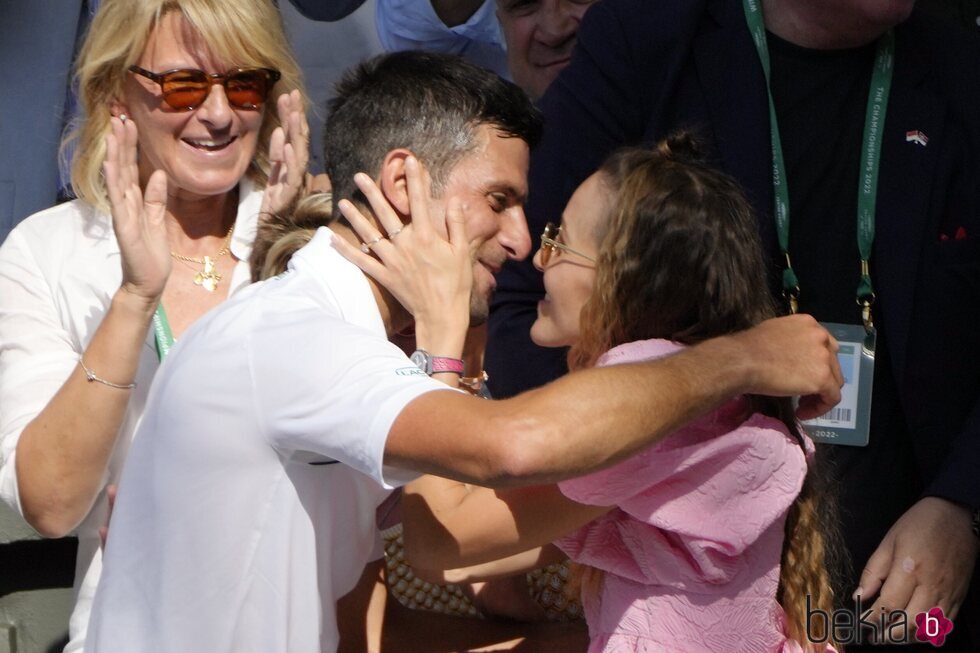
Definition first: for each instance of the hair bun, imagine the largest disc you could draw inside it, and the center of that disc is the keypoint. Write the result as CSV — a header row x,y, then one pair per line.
x,y
681,146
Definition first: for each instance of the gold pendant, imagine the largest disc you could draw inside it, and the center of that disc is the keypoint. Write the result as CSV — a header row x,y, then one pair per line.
x,y
207,278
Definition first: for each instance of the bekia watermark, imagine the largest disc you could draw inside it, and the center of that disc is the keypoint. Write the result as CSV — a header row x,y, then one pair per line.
x,y
852,626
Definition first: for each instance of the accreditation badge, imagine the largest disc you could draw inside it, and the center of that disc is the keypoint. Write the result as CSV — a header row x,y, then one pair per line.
x,y
849,422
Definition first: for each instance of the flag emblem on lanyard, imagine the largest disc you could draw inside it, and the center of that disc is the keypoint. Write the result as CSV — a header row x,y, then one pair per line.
x,y
915,136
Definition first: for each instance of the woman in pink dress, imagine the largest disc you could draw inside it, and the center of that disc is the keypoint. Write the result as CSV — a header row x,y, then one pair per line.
x,y
710,541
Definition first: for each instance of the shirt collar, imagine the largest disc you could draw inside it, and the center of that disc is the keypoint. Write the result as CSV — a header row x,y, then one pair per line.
x,y
343,282
249,205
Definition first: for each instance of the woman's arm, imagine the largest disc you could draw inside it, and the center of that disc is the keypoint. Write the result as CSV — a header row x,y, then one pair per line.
x,y
62,454
449,525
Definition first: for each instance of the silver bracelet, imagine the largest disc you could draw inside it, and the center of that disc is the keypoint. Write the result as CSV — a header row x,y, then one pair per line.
x,y
92,376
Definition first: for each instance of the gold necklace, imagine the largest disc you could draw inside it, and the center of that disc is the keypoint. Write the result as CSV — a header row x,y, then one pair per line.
x,y
207,278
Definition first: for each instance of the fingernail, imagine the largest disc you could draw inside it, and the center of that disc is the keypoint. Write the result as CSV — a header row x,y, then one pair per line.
x,y
858,592
411,160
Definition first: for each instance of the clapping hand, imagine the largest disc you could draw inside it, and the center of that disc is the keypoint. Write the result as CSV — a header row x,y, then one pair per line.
x,y
137,215
289,155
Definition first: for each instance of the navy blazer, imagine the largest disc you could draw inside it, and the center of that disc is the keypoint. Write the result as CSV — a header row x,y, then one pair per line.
x,y
37,44
643,69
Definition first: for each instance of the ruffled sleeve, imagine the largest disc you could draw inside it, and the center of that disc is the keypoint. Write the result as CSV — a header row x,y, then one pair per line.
x,y
687,508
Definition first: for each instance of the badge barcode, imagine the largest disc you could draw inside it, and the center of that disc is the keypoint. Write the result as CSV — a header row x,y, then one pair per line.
x,y
838,415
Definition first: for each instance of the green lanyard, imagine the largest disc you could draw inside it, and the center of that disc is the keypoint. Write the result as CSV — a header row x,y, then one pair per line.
x,y
161,332
881,80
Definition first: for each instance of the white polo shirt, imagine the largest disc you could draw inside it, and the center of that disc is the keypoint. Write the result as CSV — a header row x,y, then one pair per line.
x,y
234,527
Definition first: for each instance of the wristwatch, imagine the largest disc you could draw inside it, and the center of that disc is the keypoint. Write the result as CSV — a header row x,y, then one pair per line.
x,y
436,364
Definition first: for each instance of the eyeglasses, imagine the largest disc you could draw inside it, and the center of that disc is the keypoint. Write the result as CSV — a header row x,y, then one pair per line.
x,y
550,245
185,89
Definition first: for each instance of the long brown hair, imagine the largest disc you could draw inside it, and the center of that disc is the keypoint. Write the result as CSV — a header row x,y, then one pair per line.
x,y
680,259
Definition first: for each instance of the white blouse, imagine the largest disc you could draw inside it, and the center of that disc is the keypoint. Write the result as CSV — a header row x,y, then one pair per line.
x,y
59,269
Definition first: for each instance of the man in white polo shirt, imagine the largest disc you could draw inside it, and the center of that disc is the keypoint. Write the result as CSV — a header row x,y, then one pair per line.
x,y
281,419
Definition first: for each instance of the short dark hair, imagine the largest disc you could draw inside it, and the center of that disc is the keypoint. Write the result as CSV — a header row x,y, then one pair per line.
x,y
426,102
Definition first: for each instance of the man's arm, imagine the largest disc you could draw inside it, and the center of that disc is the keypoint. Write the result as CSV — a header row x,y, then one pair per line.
x,y
594,418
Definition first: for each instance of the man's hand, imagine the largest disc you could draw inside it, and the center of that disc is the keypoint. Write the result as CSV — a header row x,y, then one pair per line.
x,y
925,560
793,355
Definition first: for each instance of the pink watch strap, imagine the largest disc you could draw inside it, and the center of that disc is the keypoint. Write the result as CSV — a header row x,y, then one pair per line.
x,y
442,364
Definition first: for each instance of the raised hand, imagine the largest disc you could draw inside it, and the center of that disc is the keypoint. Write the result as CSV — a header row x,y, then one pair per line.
x,y
137,215
289,155
431,275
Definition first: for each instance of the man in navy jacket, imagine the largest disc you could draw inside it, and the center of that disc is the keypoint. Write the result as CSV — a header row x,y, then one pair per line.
x,y
643,69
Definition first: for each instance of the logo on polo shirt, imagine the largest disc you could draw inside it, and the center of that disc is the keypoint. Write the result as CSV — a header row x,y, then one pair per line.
x,y
409,371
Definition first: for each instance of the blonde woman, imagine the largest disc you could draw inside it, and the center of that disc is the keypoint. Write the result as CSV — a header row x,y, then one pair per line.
x,y
194,127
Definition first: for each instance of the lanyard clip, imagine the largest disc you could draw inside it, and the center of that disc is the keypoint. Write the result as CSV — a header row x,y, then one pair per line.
x,y
869,324
792,296
866,296
865,303
791,286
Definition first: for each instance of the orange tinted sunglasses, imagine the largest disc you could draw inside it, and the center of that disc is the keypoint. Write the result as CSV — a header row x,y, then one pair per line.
x,y
185,89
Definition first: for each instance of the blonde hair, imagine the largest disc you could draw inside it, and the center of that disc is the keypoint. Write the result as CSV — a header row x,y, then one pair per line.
x,y
246,32
280,235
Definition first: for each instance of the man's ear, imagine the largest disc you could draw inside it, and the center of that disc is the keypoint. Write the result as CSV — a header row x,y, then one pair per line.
x,y
393,182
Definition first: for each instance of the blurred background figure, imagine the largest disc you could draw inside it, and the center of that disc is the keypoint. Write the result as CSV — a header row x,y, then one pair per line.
x,y
528,41
33,97
325,50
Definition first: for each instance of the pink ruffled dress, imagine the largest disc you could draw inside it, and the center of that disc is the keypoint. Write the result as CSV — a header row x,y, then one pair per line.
x,y
691,552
